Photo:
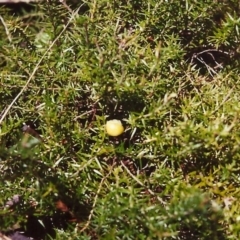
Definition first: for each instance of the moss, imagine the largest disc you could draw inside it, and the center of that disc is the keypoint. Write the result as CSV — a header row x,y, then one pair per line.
x,y
168,71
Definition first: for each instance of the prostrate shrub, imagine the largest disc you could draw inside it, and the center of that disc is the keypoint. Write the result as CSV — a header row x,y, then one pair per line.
x,y
169,71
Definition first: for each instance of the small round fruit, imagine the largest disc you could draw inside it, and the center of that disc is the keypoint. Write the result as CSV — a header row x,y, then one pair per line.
x,y
114,127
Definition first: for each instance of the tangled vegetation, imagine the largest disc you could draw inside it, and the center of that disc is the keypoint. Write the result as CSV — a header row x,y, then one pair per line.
x,y
169,70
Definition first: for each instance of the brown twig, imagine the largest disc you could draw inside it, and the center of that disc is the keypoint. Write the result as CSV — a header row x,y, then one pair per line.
x,y
4,114
95,202
139,182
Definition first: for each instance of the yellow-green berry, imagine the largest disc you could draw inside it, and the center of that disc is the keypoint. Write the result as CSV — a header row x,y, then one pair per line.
x,y
114,127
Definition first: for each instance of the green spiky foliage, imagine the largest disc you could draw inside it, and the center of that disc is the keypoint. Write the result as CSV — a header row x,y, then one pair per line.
x,y
169,70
